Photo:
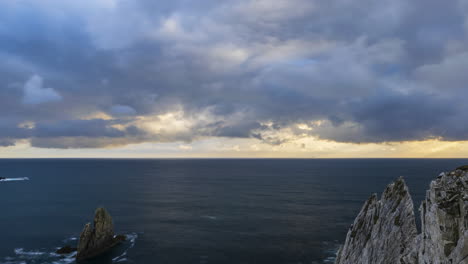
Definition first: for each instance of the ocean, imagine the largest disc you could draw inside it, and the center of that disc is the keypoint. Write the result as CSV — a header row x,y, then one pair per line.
x,y
196,211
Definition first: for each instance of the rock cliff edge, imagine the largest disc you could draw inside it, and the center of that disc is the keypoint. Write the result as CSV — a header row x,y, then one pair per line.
x,y
384,232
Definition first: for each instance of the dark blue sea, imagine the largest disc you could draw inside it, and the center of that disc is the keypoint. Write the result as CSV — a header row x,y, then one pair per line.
x,y
197,211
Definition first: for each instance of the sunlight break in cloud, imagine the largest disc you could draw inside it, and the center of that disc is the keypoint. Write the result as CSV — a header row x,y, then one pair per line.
x,y
277,76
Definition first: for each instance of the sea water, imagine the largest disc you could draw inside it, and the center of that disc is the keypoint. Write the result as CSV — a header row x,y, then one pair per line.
x,y
197,210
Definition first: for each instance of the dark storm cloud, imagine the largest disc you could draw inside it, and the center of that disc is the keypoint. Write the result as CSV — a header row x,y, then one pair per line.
x,y
370,71
77,128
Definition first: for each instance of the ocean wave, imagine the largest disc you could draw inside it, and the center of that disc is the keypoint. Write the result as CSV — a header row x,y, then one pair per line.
x,y
131,238
331,250
21,252
70,239
23,256
15,179
210,217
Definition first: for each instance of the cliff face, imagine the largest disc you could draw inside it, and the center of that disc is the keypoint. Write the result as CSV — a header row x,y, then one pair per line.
x,y
444,221
385,231
387,223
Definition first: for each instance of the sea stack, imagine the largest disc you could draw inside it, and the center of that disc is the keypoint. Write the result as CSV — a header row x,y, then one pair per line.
x,y
385,231
95,241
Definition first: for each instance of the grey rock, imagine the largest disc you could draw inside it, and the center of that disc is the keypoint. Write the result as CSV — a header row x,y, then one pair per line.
x,y
97,240
385,232
444,221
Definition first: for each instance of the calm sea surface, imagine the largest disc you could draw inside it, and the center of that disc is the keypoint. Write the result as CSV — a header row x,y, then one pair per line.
x,y
196,211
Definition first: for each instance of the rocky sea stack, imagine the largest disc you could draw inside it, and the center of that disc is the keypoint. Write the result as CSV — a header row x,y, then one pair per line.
x,y
384,232
95,241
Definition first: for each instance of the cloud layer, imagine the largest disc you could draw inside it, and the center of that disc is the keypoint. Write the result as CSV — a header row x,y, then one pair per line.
x,y
127,72
35,93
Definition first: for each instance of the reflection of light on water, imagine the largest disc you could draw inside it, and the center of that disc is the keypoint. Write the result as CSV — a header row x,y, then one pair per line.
x,y
23,256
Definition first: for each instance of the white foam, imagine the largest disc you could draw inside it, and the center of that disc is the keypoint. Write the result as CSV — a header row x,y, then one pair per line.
x,y
210,217
132,237
331,251
20,251
12,262
70,239
36,256
68,259
123,257
15,179
23,257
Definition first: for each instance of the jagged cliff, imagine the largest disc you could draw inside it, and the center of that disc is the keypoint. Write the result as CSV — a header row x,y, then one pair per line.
x,y
384,232
387,223
444,222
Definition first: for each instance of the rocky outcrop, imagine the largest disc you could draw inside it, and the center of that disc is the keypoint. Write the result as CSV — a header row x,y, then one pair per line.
x,y
384,231
444,220
98,239
65,250
387,223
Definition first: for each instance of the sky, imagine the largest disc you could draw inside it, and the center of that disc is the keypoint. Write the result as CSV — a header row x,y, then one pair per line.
x,y
233,78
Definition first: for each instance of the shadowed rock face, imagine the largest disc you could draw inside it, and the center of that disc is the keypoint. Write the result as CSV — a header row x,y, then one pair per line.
x,y
65,250
95,241
385,231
